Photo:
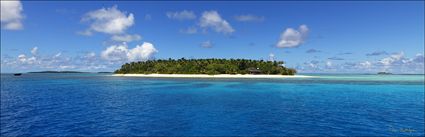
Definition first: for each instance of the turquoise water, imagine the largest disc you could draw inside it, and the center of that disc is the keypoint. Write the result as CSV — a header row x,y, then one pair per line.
x,y
102,105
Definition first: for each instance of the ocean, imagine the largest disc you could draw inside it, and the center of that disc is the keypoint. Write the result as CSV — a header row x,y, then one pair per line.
x,y
102,105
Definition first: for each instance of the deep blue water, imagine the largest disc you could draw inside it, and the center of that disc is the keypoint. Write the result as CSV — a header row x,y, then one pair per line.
x,y
102,105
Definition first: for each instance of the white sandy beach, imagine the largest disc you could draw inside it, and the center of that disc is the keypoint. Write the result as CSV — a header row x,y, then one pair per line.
x,y
210,76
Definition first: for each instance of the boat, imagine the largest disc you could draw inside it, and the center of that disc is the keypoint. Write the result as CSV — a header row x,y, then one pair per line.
x,y
17,74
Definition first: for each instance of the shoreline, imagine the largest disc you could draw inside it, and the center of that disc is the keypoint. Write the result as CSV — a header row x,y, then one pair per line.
x,y
210,76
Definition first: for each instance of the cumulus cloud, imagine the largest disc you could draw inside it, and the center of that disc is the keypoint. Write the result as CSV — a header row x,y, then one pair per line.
x,y
207,44
115,53
34,51
126,37
249,18
366,64
181,15
313,51
108,20
419,58
89,56
142,52
123,53
57,55
271,57
293,38
22,57
11,15
311,65
377,53
213,20
27,60
393,59
328,64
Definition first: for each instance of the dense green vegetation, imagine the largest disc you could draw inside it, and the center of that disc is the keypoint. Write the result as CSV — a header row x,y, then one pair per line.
x,y
206,66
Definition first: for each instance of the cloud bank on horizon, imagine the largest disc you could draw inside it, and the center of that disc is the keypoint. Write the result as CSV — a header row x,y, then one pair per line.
x,y
120,44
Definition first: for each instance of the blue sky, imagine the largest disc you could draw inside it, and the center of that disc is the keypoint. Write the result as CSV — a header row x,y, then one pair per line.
x,y
313,37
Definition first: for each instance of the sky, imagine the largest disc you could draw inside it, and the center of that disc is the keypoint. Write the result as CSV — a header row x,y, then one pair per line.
x,y
312,37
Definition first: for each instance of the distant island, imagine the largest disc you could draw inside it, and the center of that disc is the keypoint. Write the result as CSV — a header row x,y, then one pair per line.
x,y
206,66
384,73
57,72
105,72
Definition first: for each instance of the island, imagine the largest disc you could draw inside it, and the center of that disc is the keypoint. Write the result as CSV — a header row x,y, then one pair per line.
x,y
220,68
105,72
384,73
57,72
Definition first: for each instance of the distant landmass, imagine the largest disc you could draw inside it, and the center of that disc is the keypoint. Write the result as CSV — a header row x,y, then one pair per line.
x,y
384,73
105,72
206,66
57,72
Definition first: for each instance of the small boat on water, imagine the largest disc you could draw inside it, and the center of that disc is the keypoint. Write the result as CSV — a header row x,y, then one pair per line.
x,y
17,74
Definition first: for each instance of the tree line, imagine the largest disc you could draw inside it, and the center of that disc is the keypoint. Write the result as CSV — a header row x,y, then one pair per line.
x,y
206,66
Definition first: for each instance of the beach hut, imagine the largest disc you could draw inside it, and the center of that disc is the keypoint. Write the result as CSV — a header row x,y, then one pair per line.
x,y
254,70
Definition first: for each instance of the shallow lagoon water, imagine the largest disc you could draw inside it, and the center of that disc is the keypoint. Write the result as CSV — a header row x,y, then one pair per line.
x,y
103,105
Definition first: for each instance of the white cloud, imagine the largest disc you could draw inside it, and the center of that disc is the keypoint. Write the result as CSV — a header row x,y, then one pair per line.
x,y
393,59
419,58
57,55
207,44
90,55
122,53
211,19
366,64
32,60
34,51
142,52
67,66
11,15
115,53
182,15
126,38
108,20
22,58
271,57
293,38
328,64
249,18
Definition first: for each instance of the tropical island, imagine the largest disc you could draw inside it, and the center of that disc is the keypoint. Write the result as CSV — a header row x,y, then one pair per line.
x,y
384,73
57,72
206,67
